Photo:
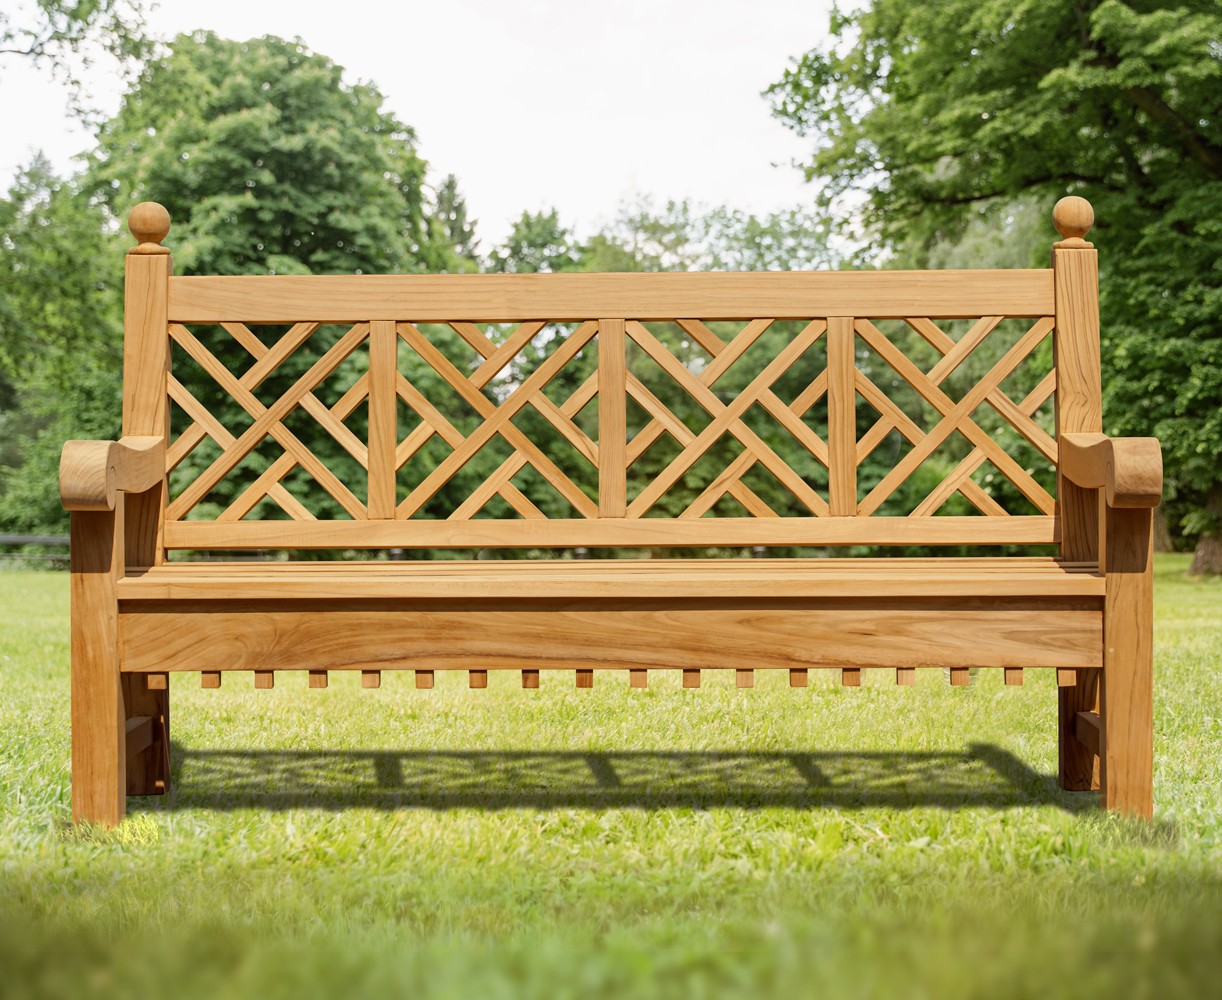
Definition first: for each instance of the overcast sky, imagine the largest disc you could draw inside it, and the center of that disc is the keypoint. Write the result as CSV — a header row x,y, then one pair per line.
x,y
531,103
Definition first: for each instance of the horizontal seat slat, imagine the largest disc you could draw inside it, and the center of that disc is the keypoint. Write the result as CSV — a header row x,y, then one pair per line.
x,y
617,578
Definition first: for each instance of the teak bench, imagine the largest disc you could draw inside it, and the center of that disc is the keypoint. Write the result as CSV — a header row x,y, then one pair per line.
x,y
138,614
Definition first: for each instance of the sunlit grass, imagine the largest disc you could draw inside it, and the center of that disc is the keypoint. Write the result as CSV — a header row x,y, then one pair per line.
x,y
874,842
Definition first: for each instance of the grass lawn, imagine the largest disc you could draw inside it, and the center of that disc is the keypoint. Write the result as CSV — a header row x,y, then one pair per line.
x,y
879,841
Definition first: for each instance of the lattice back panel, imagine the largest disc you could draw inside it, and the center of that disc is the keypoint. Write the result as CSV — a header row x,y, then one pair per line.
x,y
678,419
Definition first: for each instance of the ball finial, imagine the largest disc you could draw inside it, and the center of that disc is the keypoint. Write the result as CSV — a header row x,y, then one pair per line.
x,y
1073,217
149,223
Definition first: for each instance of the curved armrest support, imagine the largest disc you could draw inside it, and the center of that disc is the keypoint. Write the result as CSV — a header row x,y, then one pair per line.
x,y
93,473
1130,470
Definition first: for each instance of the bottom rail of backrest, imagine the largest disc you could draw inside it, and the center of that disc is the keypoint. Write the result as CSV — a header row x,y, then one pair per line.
x,y
160,637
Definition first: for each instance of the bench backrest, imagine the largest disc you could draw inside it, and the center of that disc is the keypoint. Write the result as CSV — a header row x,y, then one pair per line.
x,y
727,409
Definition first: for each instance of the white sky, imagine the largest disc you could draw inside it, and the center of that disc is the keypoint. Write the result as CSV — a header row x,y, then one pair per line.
x,y
531,103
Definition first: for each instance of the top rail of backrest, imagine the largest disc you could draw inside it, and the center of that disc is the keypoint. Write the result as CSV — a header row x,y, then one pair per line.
x,y
497,298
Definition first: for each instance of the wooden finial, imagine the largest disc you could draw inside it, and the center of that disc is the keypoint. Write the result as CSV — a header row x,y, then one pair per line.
x,y
149,223
1073,217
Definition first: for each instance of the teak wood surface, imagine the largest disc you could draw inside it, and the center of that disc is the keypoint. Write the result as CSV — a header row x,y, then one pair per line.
x,y
139,615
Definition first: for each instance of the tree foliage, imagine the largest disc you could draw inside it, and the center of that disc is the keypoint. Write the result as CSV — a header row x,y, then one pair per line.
x,y
268,160
60,338
451,215
67,36
536,243
924,117
678,236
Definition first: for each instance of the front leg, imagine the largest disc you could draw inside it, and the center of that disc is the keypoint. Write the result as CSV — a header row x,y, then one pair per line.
x,y
99,738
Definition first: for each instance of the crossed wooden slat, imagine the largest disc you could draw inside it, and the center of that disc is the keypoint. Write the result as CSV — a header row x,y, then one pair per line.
x,y
267,419
962,473
498,417
726,417
434,422
955,416
269,483
789,416
212,428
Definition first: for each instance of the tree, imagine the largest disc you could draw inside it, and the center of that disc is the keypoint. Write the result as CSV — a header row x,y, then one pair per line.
x,y
926,116
65,35
269,161
451,213
537,242
60,338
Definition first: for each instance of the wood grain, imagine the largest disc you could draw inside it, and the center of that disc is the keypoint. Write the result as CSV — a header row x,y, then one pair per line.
x,y
136,466
598,634
383,418
99,740
1128,470
636,578
575,297
653,532
92,474
841,418
612,419
1078,409
1127,683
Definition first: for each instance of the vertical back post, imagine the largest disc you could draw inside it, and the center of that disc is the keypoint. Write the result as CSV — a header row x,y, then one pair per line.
x,y
383,418
612,420
146,364
146,411
1079,409
841,418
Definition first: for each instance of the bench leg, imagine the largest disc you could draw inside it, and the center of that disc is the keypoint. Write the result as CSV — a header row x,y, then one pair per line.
x,y
1126,698
1079,765
98,720
148,771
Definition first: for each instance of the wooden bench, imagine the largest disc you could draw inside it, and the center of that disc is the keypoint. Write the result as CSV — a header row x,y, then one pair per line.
x,y
833,387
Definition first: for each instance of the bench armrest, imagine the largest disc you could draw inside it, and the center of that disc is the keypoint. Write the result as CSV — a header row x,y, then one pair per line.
x,y
1130,470
92,473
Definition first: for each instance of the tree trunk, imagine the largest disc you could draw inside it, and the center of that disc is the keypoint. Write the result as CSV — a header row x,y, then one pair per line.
x,y
1207,560
1162,532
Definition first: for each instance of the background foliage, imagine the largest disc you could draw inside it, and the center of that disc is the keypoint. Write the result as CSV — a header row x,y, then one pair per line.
x,y
940,134
925,118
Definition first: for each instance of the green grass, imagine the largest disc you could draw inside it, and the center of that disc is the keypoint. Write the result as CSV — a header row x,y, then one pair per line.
x,y
563,843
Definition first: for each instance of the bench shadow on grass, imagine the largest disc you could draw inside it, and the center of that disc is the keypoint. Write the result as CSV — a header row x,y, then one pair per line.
x,y
981,775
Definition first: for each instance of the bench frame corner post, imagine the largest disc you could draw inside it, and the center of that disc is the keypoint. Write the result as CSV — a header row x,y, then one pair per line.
x,y
1118,698
106,703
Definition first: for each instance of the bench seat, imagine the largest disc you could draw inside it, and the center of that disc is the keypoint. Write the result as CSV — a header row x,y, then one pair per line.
x,y
617,578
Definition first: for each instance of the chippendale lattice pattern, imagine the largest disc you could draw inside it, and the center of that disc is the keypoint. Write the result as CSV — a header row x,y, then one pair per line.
x,y
984,360
499,389
717,419
756,397
262,421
